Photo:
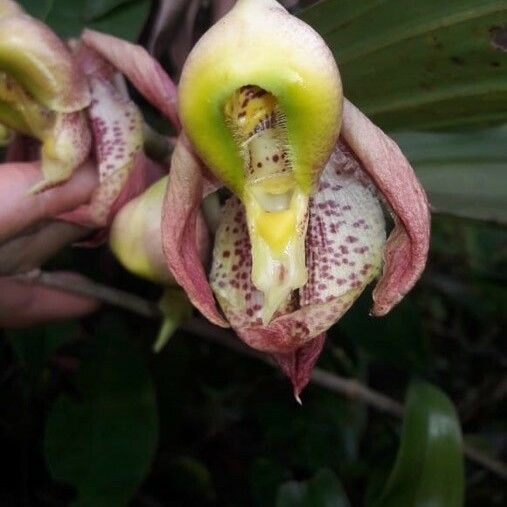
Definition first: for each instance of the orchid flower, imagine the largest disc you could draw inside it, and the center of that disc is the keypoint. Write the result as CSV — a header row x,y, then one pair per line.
x,y
303,233
42,93
72,98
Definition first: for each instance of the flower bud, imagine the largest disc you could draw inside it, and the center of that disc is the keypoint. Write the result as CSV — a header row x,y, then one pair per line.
x,y
136,238
136,241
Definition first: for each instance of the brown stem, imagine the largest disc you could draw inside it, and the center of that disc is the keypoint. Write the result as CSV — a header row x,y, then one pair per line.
x,y
88,288
349,388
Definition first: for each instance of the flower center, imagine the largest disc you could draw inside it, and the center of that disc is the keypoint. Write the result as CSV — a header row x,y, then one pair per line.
x,y
275,206
259,128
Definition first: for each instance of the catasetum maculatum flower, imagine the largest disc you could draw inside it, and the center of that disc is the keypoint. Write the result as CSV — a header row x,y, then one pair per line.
x,y
303,231
302,235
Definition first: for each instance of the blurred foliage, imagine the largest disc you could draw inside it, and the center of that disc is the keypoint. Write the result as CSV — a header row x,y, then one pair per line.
x,y
84,404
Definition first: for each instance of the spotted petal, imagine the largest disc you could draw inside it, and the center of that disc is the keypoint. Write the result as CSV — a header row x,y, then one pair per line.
x,y
145,73
407,248
117,129
346,234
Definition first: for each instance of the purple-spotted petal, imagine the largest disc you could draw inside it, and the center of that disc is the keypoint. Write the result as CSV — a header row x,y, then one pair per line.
x,y
117,129
145,73
407,247
346,235
117,125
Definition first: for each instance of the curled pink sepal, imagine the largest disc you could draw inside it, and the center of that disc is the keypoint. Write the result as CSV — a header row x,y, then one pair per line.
x,y
406,250
180,217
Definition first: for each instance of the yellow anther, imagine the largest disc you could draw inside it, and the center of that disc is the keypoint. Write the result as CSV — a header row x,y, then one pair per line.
x,y
277,228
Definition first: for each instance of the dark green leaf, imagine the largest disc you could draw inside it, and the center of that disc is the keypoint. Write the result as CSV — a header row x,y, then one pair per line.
x,y
122,18
98,8
37,8
323,490
325,433
125,22
464,173
426,64
103,441
429,468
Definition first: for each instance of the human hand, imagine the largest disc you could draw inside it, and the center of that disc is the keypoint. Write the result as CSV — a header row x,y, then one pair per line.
x,y
30,235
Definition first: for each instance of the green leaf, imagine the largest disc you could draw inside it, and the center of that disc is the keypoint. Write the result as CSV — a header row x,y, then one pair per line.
x,y
429,468
126,21
323,490
190,478
103,440
464,173
427,64
37,8
122,18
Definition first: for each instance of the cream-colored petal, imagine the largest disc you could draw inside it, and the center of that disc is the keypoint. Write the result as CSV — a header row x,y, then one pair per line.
x,y
9,8
259,43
